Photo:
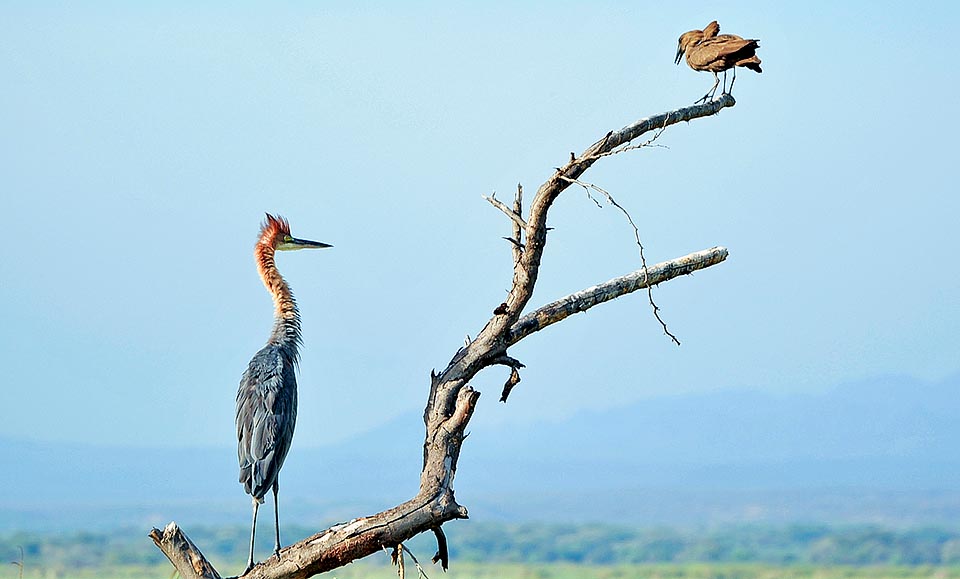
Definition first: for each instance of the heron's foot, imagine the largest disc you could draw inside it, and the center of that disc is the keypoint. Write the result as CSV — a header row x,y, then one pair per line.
x,y
276,552
247,570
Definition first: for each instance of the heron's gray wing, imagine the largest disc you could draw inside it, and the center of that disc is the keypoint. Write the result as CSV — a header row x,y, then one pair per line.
x,y
266,413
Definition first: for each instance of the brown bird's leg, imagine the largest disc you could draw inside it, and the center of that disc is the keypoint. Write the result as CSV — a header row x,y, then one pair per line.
x,y
276,520
734,80
712,91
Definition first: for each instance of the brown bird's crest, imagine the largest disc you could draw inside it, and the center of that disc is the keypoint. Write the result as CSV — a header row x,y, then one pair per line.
x,y
711,29
708,50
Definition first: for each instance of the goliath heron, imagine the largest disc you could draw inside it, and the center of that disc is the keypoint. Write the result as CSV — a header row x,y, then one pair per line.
x,y
707,50
267,397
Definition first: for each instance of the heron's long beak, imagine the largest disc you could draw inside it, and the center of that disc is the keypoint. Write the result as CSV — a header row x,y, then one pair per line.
x,y
679,54
295,244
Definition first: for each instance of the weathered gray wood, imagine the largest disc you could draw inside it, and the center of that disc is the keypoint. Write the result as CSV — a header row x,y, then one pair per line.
x,y
451,400
186,558
585,299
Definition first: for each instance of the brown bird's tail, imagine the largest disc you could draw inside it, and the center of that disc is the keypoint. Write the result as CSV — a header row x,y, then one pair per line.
x,y
753,63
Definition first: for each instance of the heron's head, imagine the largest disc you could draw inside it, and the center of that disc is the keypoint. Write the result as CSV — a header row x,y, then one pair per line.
x,y
275,232
687,41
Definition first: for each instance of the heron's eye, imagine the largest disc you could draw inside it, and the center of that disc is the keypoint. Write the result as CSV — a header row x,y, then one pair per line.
x,y
287,238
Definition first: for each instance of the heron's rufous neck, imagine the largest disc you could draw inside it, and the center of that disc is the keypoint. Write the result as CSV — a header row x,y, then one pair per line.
x,y
286,327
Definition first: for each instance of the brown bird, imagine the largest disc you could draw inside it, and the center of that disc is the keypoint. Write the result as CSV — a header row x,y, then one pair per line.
x,y
710,51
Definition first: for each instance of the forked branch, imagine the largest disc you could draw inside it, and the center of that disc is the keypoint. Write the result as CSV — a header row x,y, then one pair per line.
x,y
451,400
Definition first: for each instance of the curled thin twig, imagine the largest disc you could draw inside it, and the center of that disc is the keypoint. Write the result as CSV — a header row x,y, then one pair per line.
x,y
636,233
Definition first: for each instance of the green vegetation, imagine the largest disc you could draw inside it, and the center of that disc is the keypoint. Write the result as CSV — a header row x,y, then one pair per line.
x,y
779,545
553,571
538,551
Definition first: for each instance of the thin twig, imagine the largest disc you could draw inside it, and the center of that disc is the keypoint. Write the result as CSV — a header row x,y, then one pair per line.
x,y
506,210
518,226
396,557
636,234
420,571
626,147
20,562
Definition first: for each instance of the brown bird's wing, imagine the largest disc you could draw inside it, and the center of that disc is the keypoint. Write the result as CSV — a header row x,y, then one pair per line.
x,y
745,53
722,53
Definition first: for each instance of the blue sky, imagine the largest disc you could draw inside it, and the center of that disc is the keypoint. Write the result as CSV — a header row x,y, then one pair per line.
x,y
141,144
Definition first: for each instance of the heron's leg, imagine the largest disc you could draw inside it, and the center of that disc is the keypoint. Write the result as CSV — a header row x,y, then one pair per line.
x,y
253,533
734,80
276,519
724,90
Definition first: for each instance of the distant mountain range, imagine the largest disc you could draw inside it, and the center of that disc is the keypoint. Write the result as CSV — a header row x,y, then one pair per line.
x,y
879,449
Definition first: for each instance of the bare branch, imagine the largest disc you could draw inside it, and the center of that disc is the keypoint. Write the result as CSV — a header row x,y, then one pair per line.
x,y
494,334
659,122
443,555
504,360
186,558
648,143
518,226
512,381
396,558
598,294
515,217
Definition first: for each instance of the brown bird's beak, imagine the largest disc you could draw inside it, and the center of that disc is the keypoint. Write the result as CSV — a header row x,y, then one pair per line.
x,y
679,54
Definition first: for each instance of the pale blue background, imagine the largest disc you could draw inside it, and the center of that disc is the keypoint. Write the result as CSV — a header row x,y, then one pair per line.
x,y
141,143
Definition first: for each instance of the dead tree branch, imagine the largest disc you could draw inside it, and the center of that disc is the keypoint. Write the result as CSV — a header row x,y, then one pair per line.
x,y
585,299
181,551
451,400
512,214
